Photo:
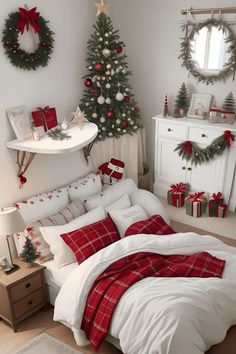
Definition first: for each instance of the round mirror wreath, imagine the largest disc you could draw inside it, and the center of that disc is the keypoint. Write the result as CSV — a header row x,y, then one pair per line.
x,y
16,23
191,29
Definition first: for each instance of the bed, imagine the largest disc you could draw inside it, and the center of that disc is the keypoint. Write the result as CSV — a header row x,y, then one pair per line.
x,y
204,309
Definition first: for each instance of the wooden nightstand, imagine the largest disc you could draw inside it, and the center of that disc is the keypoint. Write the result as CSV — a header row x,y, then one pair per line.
x,y
21,293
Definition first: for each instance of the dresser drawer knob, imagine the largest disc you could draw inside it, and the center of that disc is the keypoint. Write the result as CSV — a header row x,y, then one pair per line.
x,y
28,285
30,302
203,135
169,130
189,168
183,168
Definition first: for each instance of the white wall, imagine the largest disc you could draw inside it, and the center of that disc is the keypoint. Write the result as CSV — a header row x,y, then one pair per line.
x,y
59,85
151,31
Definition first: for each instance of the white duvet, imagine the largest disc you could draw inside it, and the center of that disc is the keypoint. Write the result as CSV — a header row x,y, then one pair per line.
x,y
158,315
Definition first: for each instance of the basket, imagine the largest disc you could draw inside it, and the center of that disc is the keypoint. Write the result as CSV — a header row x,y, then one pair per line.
x,y
144,179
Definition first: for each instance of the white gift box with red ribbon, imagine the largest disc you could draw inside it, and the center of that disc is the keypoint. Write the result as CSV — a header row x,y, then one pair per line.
x,y
112,171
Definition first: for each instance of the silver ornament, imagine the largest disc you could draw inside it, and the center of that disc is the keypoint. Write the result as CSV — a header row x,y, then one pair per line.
x,y
106,34
107,72
116,62
118,129
106,52
124,131
90,67
112,72
110,134
98,84
127,89
108,86
123,115
100,39
92,99
119,96
118,121
101,100
120,67
117,70
108,66
106,42
102,119
104,129
94,115
108,100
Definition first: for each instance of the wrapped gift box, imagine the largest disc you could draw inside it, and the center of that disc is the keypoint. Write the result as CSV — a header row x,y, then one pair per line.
x,y
196,204
221,210
214,202
46,117
111,172
176,194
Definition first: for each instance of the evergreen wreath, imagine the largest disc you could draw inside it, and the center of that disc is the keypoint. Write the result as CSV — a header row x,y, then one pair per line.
x,y
15,24
190,151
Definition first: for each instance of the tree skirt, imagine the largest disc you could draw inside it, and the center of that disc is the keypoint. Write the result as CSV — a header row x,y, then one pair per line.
x,y
47,345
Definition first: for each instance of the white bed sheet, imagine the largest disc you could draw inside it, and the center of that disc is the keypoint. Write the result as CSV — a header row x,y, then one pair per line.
x,y
54,276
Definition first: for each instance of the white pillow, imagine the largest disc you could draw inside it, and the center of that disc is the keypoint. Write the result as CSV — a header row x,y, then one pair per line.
x,y
122,203
42,205
110,195
62,253
126,217
85,187
150,203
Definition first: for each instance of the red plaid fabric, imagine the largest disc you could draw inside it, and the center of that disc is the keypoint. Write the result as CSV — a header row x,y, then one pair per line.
x,y
154,225
113,282
90,239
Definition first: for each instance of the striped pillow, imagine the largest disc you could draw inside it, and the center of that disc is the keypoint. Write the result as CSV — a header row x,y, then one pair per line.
x,y
155,225
71,212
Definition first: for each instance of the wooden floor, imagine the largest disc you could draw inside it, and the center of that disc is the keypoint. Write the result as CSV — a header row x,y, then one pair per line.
x,y
42,322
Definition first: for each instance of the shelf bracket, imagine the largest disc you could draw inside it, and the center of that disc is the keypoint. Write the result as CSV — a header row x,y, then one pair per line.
x,y
87,149
23,161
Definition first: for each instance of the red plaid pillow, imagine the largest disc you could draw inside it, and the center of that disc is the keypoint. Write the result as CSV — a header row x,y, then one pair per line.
x,y
154,225
90,239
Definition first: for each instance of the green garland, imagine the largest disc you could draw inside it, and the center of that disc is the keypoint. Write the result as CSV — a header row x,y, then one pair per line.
x,y
57,134
191,29
190,151
18,56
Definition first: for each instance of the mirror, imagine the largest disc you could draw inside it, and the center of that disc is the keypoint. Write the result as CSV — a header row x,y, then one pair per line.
x,y
209,50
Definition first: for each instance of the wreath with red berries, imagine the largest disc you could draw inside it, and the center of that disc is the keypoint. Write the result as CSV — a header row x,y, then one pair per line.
x,y
15,25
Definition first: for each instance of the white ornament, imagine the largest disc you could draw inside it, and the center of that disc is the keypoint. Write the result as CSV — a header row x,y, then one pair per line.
x,y
117,70
112,72
106,42
118,121
86,104
97,33
119,96
98,78
102,119
112,126
108,100
64,125
108,86
92,99
135,127
103,78
104,129
98,84
118,129
129,119
101,100
108,66
124,71
106,34
127,89
124,131
94,115
116,62
120,67
123,115
110,134
107,72
106,52
110,32
96,50
100,39
90,67
131,122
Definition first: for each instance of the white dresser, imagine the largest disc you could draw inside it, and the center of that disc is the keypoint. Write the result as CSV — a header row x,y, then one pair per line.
x,y
215,176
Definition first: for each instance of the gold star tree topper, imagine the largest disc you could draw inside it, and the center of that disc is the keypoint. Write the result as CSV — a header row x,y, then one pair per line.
x,y
79,118
102,8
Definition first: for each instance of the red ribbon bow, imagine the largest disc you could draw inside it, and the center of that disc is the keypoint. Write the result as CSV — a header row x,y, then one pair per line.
x,y
43,111
188,147
22,179
217,196
28,17
178,187
228,135
196,196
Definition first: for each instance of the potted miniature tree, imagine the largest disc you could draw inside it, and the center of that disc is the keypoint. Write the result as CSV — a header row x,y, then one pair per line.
x,y
29,253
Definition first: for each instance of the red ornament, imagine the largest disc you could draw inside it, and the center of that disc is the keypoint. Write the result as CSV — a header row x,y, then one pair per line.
x,y
110,114
94,93
22,179
88,82
126,98
98,67
188,148
119,48
124,124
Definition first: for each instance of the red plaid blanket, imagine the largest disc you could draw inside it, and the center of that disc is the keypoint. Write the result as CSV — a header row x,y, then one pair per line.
x,y
113,282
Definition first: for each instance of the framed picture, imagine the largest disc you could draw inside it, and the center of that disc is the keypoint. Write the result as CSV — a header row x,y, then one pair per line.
x,y
20,122
199,106
4,264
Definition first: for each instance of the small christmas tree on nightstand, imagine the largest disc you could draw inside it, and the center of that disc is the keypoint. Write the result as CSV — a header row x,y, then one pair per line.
x,y
229,103
181,102
29,253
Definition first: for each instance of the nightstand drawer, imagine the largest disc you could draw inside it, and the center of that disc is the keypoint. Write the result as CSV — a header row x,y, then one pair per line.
x,y
26,287
202,135
28,303
172,131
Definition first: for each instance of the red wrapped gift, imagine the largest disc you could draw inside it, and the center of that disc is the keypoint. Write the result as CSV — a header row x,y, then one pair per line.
x,y
176,194
221,210
112,171
216,200
196,204
46,117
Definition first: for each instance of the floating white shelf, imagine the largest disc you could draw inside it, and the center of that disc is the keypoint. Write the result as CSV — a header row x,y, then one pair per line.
x,y
27,149
46,145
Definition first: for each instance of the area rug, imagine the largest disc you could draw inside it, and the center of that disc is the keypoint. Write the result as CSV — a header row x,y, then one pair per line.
x,y
46,344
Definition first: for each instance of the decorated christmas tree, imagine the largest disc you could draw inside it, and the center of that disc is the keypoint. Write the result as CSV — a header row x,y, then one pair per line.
x,y
229,103
107,100
182,99
29,253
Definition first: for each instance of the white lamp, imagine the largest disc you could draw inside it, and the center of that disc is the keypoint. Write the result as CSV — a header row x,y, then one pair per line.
x,y
10,222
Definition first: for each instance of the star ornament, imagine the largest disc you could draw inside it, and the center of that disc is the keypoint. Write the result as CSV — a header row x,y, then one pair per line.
x,y
79,118
102,8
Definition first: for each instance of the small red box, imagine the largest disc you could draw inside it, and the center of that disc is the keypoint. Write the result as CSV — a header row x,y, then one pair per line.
x,y
46,117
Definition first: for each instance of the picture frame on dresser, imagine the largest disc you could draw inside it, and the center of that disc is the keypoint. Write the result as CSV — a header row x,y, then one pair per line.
x,y
199,106
20,122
